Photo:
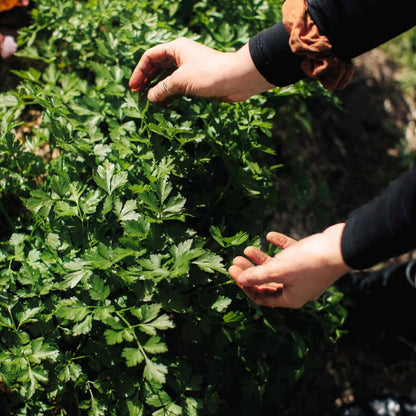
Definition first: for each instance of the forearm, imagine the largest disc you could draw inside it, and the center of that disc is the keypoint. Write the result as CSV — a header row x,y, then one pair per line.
x,y
383,228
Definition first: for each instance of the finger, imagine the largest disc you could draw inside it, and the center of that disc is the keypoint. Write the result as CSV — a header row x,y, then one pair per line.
x,y
269,287
264,295
234,271
163,91
158,58
266,289
259,275
256,255
242,263
280,240
262,298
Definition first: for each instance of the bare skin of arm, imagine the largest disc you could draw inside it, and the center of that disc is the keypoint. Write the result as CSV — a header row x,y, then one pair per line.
x,y
301,272
197,70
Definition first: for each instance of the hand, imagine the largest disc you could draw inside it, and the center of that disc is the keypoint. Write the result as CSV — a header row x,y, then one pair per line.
x,y
301,272
198,71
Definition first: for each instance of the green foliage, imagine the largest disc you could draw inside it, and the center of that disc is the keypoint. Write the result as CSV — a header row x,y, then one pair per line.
x,y
402,49
114,294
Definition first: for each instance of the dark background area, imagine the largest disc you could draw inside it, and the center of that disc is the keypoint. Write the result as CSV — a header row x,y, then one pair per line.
x,y
348,156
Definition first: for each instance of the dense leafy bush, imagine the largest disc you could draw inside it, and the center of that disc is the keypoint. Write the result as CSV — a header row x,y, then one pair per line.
x,y
120,218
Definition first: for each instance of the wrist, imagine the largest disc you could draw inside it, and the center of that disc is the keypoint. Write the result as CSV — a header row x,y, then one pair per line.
x,y
333,253
249,74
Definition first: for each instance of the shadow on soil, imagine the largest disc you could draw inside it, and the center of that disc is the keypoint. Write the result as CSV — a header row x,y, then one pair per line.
x,y
349,156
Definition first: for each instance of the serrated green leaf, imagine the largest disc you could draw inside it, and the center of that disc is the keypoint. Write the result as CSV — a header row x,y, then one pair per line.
x,y
133,356
148,329
89,202
73,278
162,398
135,407
155,372
83,327
233,317
99,290
65,209
155,346
6,322
36,375
113,337
171,409
17,239
28,315
191,406
147,313
104,313
235,240
126,211
104,257
41,351
119,130
97,409
210,262
139,228
107,178
152,267
174,205
8,100
40,202
221,304
70,372
72,309
162,322
53,241
102,150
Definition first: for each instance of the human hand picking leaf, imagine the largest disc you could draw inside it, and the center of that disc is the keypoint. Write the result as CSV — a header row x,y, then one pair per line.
x,y
197,70
301,272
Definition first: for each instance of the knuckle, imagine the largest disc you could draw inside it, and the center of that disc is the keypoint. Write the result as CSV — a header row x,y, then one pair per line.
x,y
187,90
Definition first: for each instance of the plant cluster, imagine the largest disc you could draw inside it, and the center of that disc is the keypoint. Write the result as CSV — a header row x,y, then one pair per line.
x,y
119,218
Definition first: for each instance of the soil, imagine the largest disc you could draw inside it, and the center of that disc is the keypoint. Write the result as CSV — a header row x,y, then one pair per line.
x,y
350,154
356,152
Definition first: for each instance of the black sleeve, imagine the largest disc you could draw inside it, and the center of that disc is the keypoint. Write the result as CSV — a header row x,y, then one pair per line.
x,y
352,26
383,228
273,57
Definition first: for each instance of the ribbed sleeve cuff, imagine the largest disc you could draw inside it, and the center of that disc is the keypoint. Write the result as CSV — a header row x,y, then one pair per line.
x,y
273,57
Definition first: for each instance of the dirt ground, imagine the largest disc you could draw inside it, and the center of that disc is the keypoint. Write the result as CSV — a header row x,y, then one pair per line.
x,y
356,152
350,154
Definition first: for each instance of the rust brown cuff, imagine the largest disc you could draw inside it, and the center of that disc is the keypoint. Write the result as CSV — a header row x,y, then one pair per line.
x,y
305,40
9,4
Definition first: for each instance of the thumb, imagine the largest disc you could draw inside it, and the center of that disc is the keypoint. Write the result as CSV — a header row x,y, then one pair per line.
x,y
265,273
